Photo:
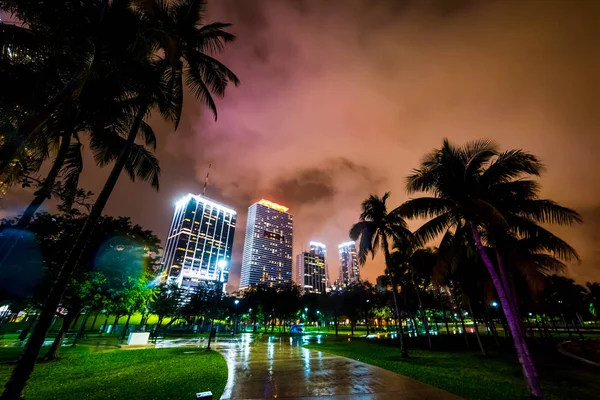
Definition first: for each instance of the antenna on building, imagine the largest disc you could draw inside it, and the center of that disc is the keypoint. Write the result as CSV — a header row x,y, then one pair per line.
x,y
206,180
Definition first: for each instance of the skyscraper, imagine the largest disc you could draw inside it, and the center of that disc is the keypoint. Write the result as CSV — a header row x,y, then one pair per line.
x,y
267,255
349,271
198,248
312,269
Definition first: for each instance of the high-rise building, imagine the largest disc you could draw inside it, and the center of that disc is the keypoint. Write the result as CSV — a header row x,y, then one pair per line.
x,y
312,269
267,258
349,271
198,248
318,249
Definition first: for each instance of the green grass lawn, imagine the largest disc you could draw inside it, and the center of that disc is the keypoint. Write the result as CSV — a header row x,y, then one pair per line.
x,y
470,375
149,374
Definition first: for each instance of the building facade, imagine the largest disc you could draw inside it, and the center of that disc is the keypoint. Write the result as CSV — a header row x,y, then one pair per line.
x,y
349,269
312,269
198,248
267,258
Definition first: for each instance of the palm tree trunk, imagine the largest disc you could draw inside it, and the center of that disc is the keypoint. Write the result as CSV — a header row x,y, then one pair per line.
x,y
81,329
115,323
476,328
388,265
126,327
446,322
415,328
26,363
60,337
94,321
492,325
44,192
510,288
422,309
529,370
462,317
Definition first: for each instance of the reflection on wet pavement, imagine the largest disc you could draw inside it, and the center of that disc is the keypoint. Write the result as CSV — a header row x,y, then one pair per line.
x,y
279,367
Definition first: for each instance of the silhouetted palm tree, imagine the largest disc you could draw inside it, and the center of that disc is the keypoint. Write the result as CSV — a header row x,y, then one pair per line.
x,y
156,82
377,229
478,187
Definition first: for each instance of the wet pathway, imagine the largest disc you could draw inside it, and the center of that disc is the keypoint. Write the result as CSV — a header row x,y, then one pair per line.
x,y
279,367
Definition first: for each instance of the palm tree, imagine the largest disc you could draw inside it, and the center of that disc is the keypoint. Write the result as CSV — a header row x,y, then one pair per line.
x,y
375,230
486,191
417,265
156,82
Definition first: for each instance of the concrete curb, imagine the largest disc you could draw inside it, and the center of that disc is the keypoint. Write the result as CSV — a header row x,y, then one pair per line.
x,y
564,352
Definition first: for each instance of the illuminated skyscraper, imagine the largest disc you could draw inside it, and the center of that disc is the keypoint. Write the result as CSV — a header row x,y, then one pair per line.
x,y
198,248
312,269
267,255
349,271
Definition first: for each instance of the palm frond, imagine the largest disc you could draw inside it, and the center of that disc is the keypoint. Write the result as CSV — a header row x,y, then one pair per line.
x,y
434,227
148,135
539,239
144,165
194,80
212,38
477,154
509,165
549,212
71,171
487,213
363,233
424,207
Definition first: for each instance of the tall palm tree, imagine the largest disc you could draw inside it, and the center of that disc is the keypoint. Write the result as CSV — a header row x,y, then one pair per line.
x,y
175,29
485,190
377,229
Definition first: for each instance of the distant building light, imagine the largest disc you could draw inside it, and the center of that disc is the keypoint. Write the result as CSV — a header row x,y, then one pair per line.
x,y
346,244
205,200
317,244
272,205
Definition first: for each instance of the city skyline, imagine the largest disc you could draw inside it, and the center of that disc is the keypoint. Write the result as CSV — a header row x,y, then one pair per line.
x,y
306,144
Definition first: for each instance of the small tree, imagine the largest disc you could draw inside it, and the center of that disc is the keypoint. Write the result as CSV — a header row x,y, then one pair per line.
x,y
166,304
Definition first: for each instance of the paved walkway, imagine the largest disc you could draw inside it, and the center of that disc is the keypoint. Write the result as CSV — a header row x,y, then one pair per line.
x,y
279,367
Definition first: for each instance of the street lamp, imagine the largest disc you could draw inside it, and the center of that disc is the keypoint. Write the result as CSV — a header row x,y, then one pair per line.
x,y
494,304
236,302
306,309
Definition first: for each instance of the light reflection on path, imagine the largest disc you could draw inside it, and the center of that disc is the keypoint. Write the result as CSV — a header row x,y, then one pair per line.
x,y
279,367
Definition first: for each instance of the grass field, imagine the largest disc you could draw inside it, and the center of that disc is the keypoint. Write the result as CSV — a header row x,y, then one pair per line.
x,y
470,375
150,374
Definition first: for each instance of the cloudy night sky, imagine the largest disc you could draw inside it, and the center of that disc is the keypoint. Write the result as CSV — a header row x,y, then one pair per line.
x,y
340,99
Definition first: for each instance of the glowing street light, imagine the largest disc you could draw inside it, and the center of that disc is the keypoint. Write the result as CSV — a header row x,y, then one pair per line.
x,y
236,302
494,304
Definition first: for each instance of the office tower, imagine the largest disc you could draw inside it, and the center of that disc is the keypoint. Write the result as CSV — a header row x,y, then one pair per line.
x,y
312,269
349,271
198,248
318,248
267,258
